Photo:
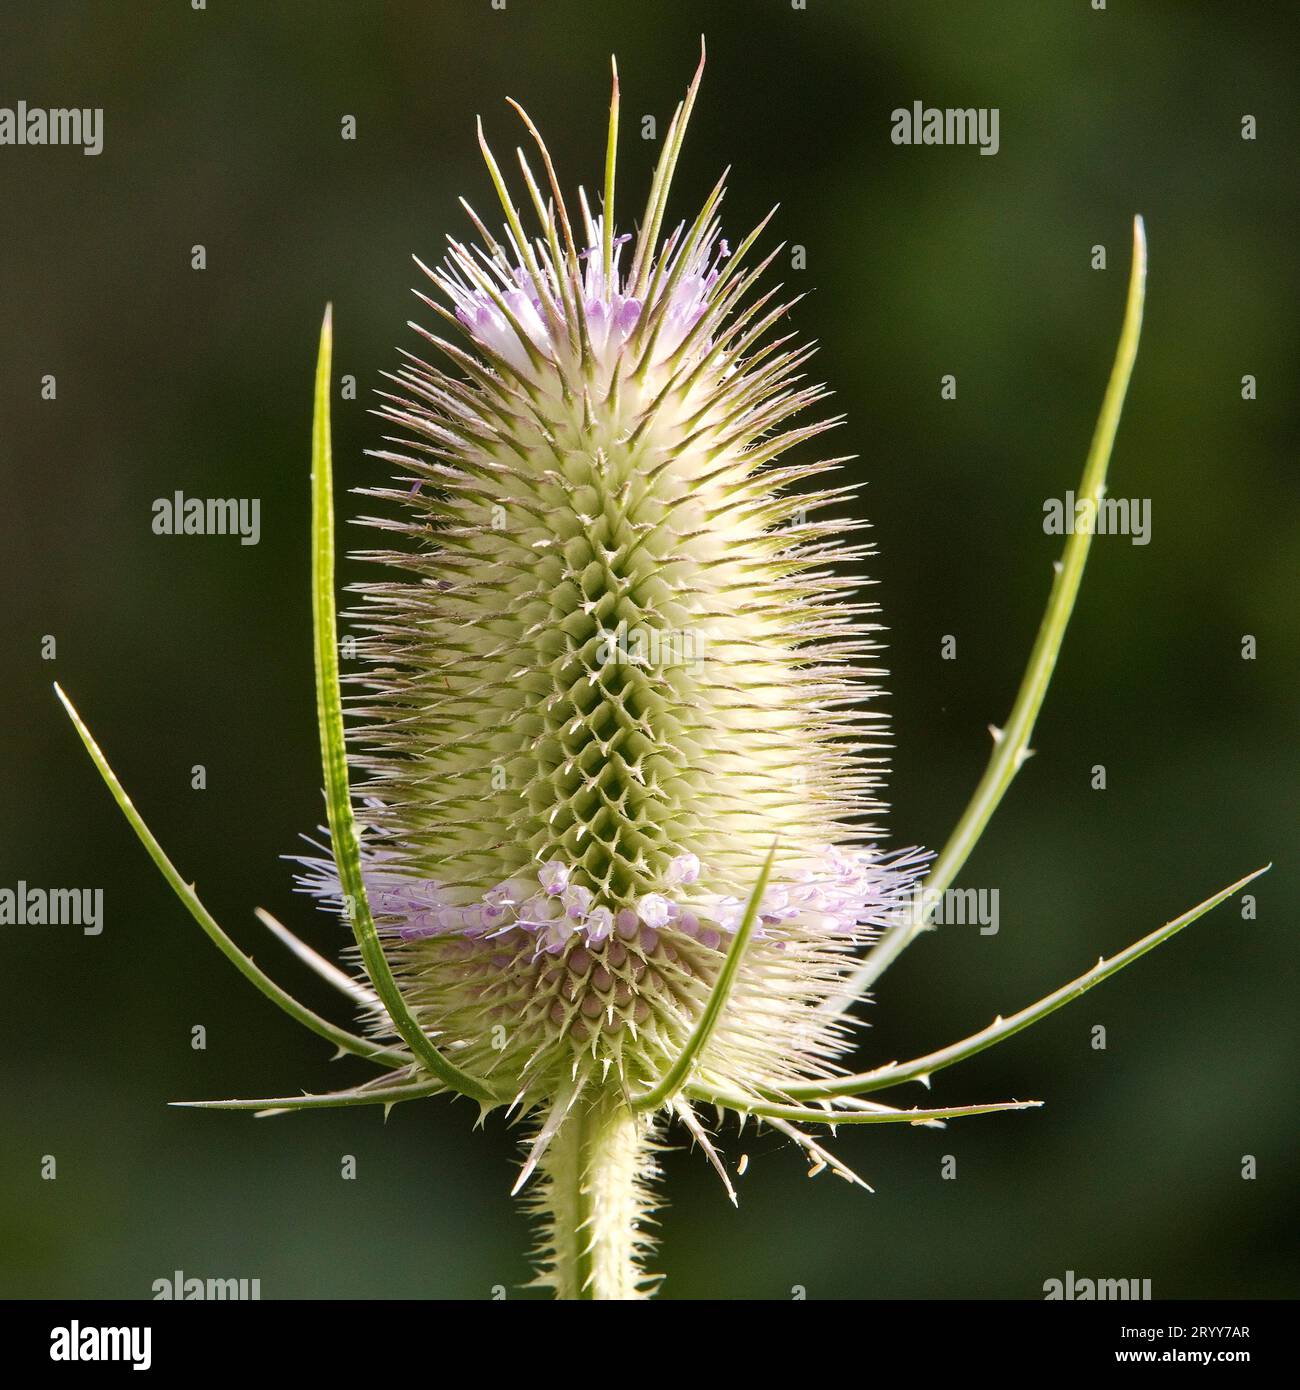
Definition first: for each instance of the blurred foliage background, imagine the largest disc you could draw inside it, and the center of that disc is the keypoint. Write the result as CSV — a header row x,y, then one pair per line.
x,y
222,127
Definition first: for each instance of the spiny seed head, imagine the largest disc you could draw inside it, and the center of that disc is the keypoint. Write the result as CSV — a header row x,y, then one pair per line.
x,y
617,657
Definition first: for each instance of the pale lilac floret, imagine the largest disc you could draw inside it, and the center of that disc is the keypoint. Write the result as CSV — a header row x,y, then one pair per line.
x,y
494,915
837,894
509,893
776,904
728,913
554,876
539,911
599,925
577,902
555,936
517,313
653,909
685,868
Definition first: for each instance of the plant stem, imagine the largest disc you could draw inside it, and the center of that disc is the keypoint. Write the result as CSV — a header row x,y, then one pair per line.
x,y
593,1199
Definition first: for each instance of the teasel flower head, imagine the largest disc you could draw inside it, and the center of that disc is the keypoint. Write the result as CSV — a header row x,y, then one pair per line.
x,y
607,823
621,656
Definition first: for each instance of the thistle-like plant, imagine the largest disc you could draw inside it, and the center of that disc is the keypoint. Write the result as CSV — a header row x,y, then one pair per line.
x,y
614,860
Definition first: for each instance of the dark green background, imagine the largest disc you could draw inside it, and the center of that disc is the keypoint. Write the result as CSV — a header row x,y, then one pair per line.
x,y
222,128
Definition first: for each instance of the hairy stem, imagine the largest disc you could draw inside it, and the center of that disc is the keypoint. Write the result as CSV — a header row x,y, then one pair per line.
x,y
593,1201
